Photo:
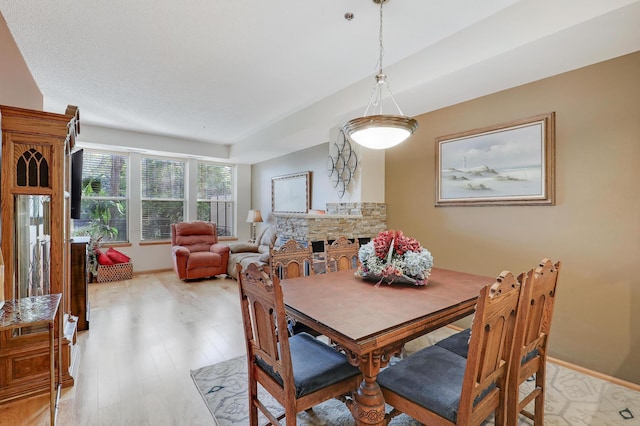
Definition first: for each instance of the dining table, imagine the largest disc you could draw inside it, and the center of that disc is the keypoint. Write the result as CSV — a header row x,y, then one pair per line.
x,y
370,321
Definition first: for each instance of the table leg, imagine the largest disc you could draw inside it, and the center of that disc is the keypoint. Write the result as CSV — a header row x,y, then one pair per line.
x,y
367,406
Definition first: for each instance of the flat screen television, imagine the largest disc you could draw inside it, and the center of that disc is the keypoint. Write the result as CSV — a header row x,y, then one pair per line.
x,y
76,184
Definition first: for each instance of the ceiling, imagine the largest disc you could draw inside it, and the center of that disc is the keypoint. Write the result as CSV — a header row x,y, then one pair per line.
x,y
264,78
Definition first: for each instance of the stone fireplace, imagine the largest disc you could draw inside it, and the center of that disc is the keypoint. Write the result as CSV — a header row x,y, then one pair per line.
x,y
361,221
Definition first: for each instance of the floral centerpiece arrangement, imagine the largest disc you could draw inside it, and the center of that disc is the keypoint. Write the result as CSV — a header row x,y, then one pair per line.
x,y
392,257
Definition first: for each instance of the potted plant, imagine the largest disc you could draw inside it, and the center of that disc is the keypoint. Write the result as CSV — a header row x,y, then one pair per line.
x,y
98,214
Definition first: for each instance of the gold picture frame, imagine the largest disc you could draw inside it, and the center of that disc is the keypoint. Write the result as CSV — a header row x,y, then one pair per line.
x,y
507,164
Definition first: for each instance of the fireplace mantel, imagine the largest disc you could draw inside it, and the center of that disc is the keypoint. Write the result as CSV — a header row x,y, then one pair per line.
x,y
351,220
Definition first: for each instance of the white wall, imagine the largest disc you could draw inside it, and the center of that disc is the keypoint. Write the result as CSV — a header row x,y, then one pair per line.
x,y
153,256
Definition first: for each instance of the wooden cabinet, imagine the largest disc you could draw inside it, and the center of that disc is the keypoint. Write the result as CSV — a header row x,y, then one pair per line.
x,y
36,148
80,282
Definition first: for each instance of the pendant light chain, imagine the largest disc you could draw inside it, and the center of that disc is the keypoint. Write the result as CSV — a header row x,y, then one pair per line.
x,y
380,39
379,131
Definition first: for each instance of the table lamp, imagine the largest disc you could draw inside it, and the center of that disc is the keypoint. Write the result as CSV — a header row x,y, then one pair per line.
x,y
254,217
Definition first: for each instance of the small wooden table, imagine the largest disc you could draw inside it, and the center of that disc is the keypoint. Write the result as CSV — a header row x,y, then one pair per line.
x,y
373,323
34,311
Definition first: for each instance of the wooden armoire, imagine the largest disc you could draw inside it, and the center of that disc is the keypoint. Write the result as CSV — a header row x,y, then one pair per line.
x,y
35,204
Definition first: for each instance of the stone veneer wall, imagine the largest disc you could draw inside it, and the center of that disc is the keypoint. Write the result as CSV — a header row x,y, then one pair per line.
x,y
352,220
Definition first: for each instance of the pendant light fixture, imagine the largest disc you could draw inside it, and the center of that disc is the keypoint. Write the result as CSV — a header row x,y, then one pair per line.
x,y
378,130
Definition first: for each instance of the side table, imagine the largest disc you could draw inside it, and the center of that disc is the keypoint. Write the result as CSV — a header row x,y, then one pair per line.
x,y
34,311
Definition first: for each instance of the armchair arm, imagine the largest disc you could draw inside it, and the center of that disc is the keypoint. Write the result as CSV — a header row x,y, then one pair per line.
x,y
223,251
219,248
242,247
180,255
180,251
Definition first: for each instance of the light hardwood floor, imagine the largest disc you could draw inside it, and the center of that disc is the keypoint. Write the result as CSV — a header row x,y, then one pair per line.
x,y
145,336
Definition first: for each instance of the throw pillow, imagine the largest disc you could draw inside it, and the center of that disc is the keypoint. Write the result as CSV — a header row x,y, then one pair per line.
x,y
265,253
264,257
116,256
103,259
269,236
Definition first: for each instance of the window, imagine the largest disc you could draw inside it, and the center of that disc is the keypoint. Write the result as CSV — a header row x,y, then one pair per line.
x,y
214,196
162,194
104,196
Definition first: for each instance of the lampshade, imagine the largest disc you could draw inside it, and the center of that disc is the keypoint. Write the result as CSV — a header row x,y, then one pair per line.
x,y
254,216
380,131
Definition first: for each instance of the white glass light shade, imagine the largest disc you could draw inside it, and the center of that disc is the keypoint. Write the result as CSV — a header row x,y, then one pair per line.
x,y
380,131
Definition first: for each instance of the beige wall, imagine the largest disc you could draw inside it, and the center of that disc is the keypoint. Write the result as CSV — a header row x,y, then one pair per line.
x,y
594,228
17,87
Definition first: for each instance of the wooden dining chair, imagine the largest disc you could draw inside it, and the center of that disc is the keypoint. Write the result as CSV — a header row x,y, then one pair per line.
x,y
298,371
342,254
530,343
439,387
291,260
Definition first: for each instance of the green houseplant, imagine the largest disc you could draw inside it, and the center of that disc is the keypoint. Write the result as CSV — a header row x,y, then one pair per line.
x,y
99,212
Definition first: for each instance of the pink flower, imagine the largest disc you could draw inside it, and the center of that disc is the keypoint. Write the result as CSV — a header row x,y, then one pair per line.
x,y
401,244
382,243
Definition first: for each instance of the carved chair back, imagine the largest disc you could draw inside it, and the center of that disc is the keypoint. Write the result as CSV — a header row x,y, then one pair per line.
x,y
530,342
483,374
292,260
272,356
342,254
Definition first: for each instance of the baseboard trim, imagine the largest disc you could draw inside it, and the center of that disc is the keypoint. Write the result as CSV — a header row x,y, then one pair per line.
x,y
583,370
151,271
596,374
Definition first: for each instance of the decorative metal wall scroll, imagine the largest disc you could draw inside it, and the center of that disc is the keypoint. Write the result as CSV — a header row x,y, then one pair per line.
x,y
341,164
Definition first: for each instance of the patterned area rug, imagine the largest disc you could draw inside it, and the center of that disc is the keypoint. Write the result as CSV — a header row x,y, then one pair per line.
x,y
572,399
224,388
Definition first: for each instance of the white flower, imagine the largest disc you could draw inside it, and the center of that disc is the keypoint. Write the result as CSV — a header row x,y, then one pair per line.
x,y
417,263
413,264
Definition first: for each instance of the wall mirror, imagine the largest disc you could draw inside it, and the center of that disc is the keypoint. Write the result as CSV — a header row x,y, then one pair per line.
x,y
291,193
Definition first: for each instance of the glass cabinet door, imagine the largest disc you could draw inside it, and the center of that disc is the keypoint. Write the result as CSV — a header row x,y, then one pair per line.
x,y
32,245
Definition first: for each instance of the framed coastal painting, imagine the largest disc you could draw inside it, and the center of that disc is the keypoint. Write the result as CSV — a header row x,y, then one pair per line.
x,y
291,193
507,164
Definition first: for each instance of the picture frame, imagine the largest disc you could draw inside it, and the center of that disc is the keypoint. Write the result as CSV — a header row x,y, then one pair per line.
x,y
511,163
291,193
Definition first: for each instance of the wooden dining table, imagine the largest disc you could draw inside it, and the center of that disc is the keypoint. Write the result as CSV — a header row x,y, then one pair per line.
x,y
371,323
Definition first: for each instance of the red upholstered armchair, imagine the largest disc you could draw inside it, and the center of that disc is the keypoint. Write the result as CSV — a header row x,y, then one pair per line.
x,y
196,252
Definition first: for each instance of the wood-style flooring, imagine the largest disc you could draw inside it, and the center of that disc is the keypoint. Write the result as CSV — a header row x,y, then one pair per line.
x,y
145,336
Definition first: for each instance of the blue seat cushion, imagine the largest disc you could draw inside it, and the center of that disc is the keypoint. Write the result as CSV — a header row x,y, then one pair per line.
x,y
315,364
457,343
432,378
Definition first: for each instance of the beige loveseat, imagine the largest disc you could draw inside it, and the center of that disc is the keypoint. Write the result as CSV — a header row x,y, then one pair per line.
x,y
246,253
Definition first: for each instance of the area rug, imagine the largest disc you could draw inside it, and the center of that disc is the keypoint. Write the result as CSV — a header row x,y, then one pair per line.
x,y
224,389
572,399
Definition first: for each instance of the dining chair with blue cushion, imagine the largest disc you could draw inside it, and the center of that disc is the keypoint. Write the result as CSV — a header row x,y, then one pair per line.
x,y
298,371
439,387
457,343
530,343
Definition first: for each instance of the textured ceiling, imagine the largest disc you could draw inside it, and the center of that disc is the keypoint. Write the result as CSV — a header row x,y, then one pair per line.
x,y
267,78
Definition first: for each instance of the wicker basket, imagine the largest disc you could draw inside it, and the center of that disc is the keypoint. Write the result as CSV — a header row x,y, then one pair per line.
x,y
117,272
